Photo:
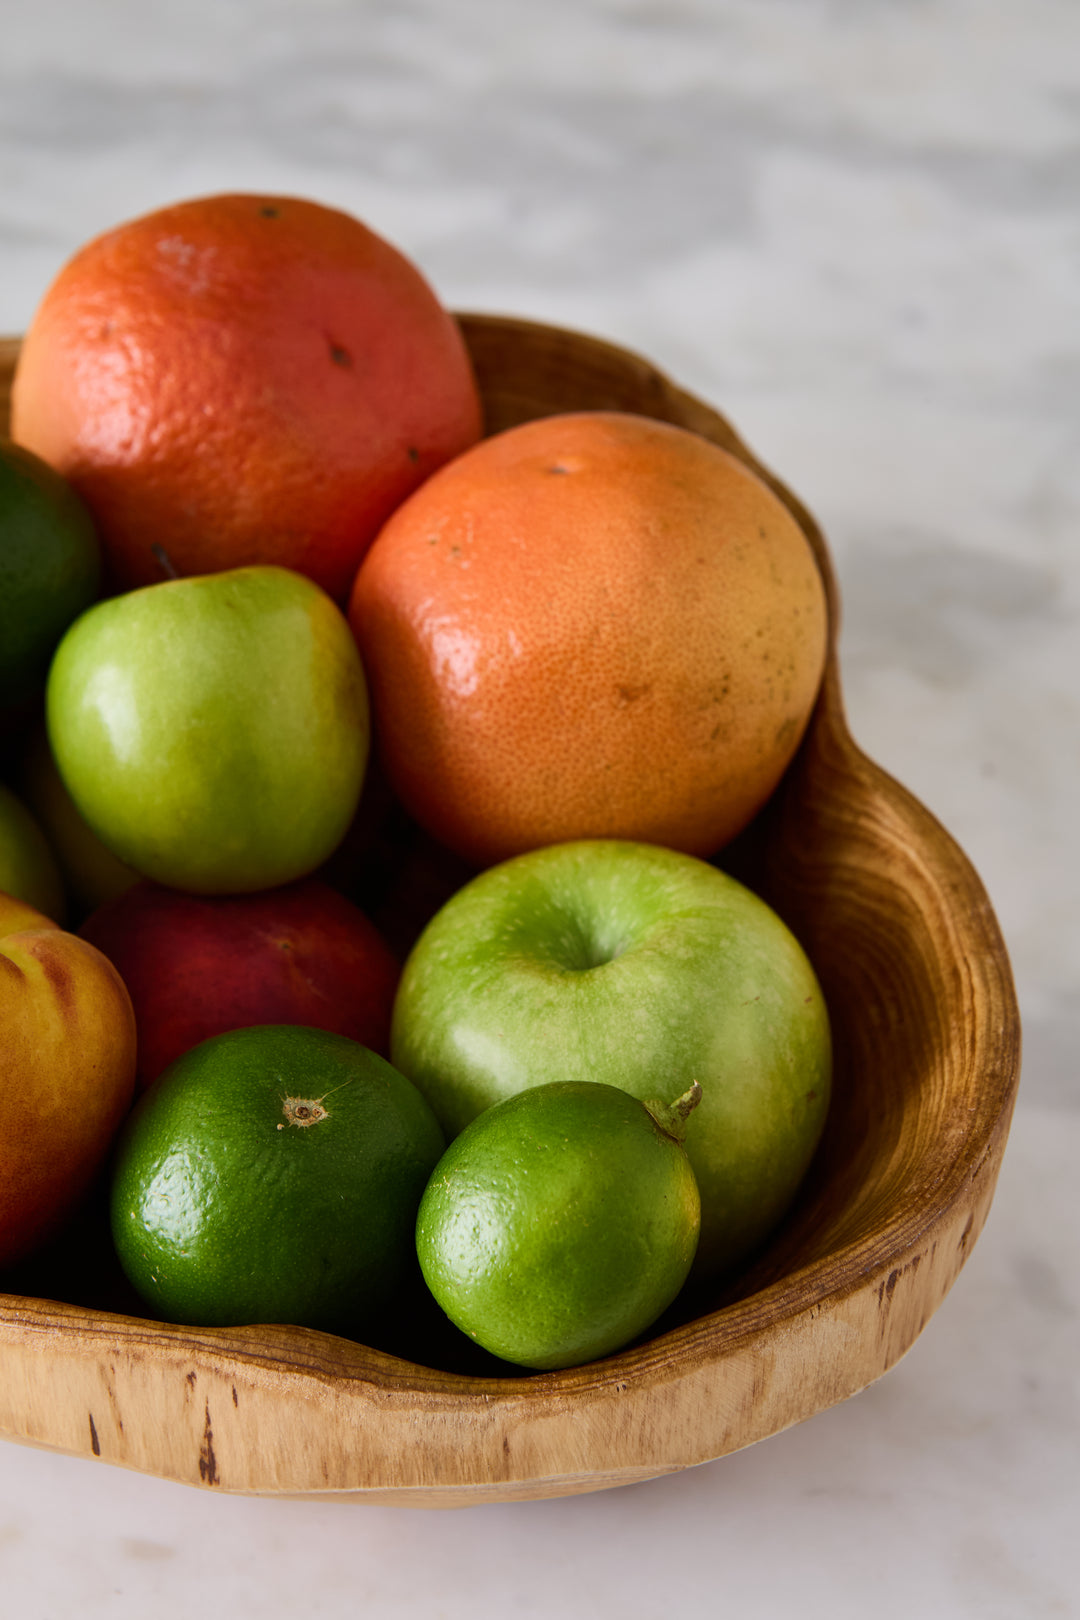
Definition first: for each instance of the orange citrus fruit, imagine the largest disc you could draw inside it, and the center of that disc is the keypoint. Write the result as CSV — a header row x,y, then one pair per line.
x,y
595,625
242,379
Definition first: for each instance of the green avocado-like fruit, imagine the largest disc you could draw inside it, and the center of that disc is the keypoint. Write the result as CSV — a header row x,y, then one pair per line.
x,y
273,1174
561,1223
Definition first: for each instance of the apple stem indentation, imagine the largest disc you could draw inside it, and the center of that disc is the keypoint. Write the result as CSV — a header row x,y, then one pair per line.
x,y
672,1117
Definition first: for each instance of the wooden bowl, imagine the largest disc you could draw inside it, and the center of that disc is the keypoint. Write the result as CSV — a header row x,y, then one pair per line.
x,y
927,1057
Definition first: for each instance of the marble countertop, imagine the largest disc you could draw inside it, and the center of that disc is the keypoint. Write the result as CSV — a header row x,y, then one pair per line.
x,y
856,230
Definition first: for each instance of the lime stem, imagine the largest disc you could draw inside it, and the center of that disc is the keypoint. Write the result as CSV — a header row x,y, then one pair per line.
x,y
672,1117
342,1086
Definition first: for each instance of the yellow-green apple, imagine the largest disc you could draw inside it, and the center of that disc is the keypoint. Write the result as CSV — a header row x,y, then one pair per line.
x,y
213,731
50,569
67,1072
92,874
28,867
198,965
642,968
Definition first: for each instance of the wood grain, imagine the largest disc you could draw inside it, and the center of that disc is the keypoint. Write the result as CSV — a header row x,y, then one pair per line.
x,y
927,1039
9,349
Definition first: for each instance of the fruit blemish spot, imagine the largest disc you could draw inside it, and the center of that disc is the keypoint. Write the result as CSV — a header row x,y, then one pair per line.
x,y
302,1111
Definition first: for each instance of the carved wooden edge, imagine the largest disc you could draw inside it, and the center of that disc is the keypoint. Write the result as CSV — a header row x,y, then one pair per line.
x,y
9,353
237,1412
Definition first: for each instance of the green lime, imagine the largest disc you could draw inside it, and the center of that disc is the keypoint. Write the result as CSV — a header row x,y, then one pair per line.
x,y
273,1174
28,867
50,568
561,1222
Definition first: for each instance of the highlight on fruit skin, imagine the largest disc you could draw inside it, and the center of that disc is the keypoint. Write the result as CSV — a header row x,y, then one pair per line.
x,y
559,1225
592,625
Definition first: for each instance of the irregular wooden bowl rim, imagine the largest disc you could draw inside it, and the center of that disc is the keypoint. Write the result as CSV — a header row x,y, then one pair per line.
x,y
287,1411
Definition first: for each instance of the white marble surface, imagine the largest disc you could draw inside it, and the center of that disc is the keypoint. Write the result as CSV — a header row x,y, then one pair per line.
x,y
856,229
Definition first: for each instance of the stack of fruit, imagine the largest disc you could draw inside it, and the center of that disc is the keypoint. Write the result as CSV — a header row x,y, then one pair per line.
x,y
251,526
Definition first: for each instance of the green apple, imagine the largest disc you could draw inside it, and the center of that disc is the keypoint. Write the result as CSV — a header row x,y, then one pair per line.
x,y
28,867
637,967
213,731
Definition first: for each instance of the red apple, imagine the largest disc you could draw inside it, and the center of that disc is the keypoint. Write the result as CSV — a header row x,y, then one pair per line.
x,y
67,1072
198,965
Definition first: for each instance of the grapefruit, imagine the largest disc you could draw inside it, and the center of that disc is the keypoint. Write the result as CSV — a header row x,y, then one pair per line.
x,y
242,379
594,625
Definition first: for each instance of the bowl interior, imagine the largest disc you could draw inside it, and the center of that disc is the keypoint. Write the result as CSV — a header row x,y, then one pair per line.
x,y
893,918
